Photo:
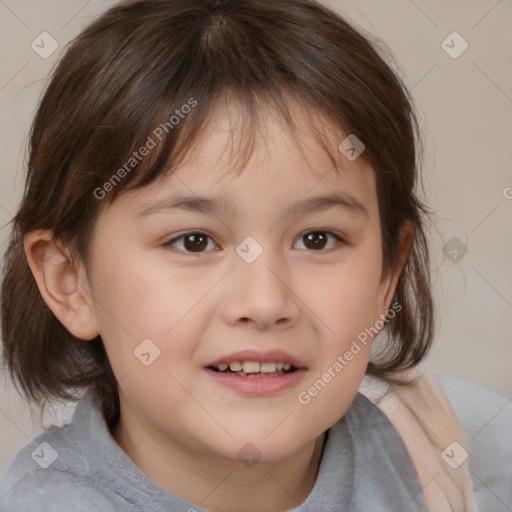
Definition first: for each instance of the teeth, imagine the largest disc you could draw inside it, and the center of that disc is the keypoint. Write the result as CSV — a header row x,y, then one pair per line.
x,y
268,367
252,367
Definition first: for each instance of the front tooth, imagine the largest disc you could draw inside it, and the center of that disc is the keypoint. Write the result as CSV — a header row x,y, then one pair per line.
x,y
287,366
235,366
279,366
251,366
222,367
268,367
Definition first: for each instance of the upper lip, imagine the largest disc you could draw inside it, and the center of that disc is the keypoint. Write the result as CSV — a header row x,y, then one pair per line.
x,y
263,357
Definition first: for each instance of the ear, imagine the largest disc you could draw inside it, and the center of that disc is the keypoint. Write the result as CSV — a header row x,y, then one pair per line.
x,y
389,277
65,289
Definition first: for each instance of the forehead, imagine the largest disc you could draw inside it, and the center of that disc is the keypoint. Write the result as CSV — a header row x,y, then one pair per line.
x,y
230,133
285,164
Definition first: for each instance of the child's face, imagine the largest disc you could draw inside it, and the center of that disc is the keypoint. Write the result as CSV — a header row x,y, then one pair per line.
x,y
307,298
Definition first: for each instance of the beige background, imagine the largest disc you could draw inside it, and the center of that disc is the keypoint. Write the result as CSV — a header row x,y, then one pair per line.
x,y
465,107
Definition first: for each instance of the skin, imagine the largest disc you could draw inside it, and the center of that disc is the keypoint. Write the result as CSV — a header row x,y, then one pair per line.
x,y
182,429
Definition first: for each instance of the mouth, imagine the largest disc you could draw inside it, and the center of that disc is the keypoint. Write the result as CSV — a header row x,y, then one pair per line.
x,y
255,373
254,368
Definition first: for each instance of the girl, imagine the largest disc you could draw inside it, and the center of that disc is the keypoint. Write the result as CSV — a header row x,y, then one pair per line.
x,y
220,217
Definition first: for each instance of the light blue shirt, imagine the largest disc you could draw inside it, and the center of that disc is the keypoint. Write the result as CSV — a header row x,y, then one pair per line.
x,y
364,468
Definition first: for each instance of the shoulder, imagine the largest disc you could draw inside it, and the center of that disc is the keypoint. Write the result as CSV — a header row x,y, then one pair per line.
x,y
482,413
31,481
486,418
53,472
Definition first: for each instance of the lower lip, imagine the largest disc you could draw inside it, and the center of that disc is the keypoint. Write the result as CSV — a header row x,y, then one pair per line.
x,y
257,386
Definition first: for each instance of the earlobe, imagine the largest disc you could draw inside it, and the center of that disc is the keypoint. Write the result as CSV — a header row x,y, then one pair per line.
x,y
62,287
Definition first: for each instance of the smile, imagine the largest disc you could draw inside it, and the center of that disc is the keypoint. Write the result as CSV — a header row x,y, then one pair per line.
x,y
256,373
254,368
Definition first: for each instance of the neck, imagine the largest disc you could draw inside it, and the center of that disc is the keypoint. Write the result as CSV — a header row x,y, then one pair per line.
x,y
224,485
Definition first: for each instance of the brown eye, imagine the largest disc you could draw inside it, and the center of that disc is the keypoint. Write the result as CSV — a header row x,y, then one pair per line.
x,y
319,240
316,240
195,243
191,242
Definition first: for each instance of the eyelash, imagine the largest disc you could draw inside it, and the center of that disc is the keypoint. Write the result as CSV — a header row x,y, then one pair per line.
x,y
189,233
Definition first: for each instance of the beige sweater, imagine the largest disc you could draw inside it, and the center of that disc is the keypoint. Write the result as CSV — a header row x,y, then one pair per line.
x,y
423,417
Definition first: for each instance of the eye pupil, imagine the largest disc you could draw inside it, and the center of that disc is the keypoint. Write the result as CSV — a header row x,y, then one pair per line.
x,y
317,239
198,242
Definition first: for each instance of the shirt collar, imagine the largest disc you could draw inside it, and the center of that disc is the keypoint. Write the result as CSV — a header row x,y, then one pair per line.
x,y
364,466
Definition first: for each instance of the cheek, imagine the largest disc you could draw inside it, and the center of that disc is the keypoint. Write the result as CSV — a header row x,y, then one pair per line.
x,y
145,297
344,297
146,324
137,301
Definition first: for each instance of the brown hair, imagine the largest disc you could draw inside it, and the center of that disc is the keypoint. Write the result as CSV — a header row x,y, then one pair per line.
x,y
128,73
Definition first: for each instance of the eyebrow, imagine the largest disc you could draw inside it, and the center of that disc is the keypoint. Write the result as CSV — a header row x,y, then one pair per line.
x,y
214,206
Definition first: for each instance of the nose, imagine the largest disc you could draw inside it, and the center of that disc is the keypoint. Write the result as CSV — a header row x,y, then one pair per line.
x,y
261,294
